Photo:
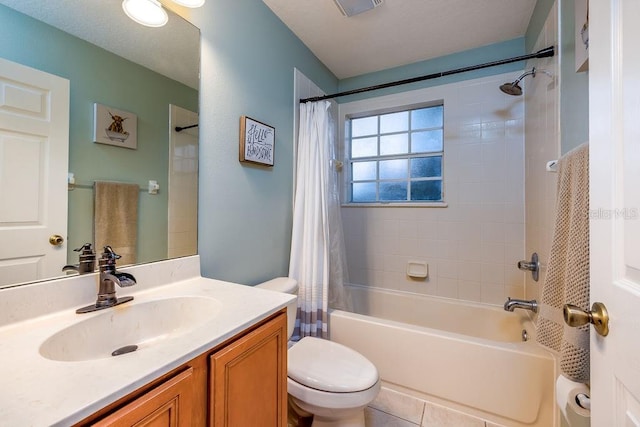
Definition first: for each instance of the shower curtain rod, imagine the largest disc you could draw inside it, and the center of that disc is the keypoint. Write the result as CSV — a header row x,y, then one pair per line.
x,y
544,53
181,128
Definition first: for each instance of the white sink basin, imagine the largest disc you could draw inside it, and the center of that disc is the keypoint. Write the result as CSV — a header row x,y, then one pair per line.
x,y
141,324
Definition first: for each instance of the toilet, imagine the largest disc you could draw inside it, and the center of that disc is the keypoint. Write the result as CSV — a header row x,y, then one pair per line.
x,y
325,379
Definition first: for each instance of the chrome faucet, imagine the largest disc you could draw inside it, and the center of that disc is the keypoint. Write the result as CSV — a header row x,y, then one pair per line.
x,y
512,304
108,278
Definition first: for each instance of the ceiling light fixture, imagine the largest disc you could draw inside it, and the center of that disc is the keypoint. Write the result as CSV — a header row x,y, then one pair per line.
x,y
146,12
190,3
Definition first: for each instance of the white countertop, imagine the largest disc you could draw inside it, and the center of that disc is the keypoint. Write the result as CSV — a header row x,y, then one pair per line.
x,y
40,392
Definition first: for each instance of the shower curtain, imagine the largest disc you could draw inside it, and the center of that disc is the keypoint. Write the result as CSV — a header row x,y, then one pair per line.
x,y
317,259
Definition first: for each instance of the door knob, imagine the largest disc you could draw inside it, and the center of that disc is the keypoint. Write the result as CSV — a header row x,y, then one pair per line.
x,y
56,239
574,316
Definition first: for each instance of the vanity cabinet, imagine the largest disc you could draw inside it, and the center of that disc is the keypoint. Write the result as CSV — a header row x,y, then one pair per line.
x,y
248,380
242,382
168,405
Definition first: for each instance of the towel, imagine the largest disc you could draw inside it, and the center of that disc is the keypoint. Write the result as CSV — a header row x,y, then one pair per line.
x,y
567,280
116,219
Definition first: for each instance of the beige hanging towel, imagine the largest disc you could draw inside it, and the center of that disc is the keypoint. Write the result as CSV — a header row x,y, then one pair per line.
x,y
116,219
567,280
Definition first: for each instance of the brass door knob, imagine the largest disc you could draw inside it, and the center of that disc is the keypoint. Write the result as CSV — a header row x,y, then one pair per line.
x,y
56,239
575,317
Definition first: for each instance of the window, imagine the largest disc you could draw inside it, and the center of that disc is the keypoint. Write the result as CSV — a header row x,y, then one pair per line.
x,y
396,157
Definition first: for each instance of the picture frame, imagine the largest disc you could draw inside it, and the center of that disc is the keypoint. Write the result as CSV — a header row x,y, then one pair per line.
x,y
257,142
113,126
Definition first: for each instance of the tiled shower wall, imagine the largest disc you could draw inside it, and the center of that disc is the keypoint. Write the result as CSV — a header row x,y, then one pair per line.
x,y
542,132
183,185
472,245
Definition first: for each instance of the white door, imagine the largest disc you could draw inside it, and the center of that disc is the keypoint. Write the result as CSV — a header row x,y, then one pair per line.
x,y
614,116
34,147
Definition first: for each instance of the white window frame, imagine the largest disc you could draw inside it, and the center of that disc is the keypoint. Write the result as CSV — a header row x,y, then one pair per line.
x,y
383,105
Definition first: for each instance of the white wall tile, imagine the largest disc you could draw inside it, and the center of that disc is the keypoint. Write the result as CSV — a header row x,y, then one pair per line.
x,y
492,294
471,243
447,288
492,251
469,290
448,269
470,250
492,273
542,144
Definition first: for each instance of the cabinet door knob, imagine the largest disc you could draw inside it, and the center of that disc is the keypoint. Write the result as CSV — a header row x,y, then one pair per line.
x,y
575,317
56,239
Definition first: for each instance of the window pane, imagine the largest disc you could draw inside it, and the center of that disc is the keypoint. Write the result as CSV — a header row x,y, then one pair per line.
x,y
395,122
363,171
394,144
364,126
364,147
426,167
426,190
393,169
363,192
390,191
430,117
426,142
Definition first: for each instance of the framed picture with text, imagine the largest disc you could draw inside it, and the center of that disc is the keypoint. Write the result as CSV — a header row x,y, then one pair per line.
x,y
257,142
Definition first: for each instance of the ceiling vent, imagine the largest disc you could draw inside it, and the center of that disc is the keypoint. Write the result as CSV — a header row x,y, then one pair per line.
x,y
354,7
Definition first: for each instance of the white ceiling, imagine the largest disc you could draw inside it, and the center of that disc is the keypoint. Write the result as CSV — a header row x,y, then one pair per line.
x,y
173,50
400,32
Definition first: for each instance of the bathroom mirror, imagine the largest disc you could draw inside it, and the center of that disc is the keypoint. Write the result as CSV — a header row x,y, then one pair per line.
x,y
113,61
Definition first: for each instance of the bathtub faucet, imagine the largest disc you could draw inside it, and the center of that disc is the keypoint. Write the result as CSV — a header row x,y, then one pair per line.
x,y
512,304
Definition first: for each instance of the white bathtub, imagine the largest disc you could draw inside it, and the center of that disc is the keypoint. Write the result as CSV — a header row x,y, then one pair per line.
x,y
469,356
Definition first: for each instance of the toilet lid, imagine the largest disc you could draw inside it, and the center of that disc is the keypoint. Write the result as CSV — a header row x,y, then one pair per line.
x,y
328,366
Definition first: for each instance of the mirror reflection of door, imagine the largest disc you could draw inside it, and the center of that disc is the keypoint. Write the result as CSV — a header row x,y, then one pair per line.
x,y
34,141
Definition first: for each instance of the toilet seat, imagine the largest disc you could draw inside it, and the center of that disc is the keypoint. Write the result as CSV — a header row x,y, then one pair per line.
x,y
329,367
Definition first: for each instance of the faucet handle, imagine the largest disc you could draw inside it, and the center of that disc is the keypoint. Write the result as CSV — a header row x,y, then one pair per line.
x,y
109,254
85,249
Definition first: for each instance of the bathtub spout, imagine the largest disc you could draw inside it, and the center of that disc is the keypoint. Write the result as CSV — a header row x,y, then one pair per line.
x,y
512,304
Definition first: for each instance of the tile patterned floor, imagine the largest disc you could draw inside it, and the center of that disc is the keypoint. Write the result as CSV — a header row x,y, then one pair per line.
x,y
394,409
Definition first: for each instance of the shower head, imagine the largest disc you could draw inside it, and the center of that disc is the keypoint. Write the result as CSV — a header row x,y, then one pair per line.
x,y
514,88
511,89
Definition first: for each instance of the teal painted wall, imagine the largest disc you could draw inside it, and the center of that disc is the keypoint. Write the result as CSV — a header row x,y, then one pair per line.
x,y
467,58
245,212
574,87
99,76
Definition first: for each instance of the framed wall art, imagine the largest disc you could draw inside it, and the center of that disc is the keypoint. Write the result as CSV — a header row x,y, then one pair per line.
x,y
257,142
115,127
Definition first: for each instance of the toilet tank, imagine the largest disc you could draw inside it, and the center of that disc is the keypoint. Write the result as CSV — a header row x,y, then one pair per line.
x,y
286,285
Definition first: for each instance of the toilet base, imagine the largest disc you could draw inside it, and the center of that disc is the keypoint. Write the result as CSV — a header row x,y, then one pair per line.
x,y
355,420
324,417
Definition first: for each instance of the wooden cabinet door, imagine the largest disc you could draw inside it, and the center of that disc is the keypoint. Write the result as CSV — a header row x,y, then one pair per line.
x,y
168,405
248,379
